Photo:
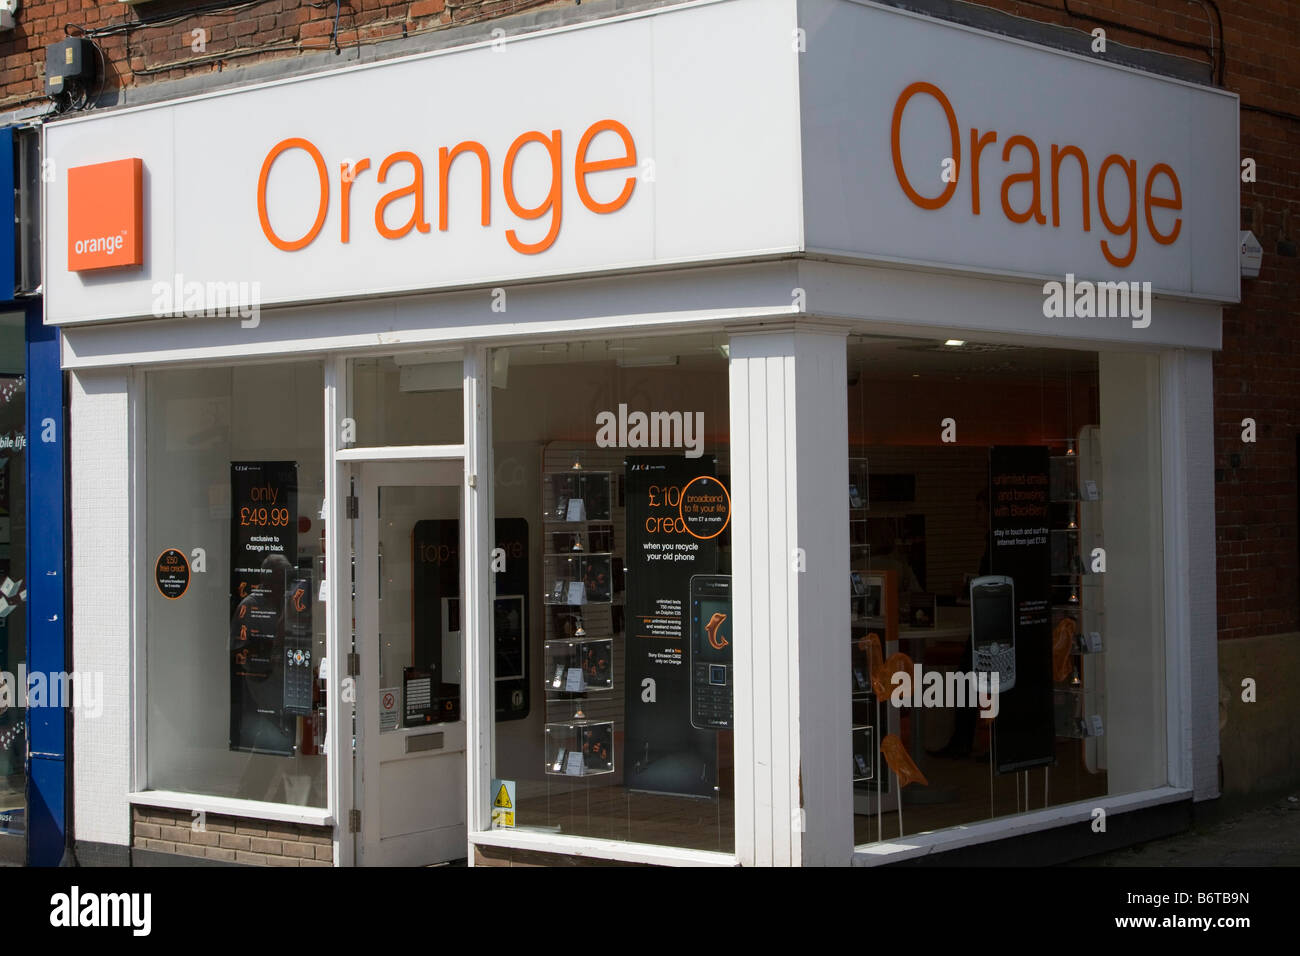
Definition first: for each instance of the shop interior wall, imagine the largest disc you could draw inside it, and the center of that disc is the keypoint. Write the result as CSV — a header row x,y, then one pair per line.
x,y
896,424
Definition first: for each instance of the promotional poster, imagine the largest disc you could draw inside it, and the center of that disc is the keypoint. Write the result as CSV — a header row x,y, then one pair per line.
x,y
1018,503
679,678
263,552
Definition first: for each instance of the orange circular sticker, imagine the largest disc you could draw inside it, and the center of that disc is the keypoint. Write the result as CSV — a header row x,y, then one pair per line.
x,y
172,574
705,508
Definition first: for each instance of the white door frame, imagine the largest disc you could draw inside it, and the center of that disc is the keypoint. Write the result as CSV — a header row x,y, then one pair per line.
x,y
342,465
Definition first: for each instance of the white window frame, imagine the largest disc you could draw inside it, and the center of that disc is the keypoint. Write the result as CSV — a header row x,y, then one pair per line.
x,y
139,793
480,694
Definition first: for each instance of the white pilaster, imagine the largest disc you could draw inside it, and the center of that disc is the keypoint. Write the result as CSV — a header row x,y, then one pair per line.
x,y
789,468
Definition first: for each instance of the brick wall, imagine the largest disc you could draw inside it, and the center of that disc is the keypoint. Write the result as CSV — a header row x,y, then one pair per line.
x,y
231,839
151,41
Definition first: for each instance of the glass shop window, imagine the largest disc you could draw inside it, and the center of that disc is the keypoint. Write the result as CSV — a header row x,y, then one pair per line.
x,y
234,543
613,610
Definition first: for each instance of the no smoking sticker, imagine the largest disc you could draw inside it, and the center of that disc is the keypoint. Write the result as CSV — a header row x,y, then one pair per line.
x,y
388,708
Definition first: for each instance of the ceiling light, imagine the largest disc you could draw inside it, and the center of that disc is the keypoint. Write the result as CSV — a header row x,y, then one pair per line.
x,y
955,343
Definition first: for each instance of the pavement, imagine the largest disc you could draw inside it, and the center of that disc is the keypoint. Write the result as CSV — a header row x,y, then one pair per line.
x,y
1241,831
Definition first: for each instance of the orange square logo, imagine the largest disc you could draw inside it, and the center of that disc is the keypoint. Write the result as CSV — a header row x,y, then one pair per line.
x,y
106,215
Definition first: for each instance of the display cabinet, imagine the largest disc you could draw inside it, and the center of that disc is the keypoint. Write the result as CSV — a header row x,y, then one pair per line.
x,y
579,665
576,497
1077,613
579,747
583,592
576,579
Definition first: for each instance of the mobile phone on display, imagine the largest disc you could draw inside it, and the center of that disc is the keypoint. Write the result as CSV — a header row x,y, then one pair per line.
x,y
993,627
298,645
712,686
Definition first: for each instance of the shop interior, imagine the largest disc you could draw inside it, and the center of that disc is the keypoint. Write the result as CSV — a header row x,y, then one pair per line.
x,y
925,418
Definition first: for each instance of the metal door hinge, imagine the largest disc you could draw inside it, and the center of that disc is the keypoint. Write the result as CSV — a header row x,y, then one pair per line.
x,y
353,506
354,821
354,664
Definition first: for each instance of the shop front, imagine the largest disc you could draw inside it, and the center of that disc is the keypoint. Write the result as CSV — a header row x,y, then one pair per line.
x,y
592,468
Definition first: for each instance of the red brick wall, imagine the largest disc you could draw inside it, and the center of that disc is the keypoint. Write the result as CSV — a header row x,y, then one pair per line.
x,y
247,33
1257,375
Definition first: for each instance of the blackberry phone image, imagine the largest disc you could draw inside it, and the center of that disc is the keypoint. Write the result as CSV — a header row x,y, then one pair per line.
x,y
710,662
993,627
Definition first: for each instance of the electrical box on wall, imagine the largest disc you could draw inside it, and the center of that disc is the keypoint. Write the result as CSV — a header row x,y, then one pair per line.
x,y
1252,255
72,58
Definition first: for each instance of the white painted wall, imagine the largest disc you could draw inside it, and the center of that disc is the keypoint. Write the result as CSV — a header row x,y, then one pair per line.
x,y
101,602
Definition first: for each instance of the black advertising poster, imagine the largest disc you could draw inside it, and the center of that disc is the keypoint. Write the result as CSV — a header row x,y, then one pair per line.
x,y
263,551
1024,732
436,624
510,618
665,751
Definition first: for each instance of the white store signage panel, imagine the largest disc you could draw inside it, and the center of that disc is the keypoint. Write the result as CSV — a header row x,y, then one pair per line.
x,y
864,64
332,186
706,94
